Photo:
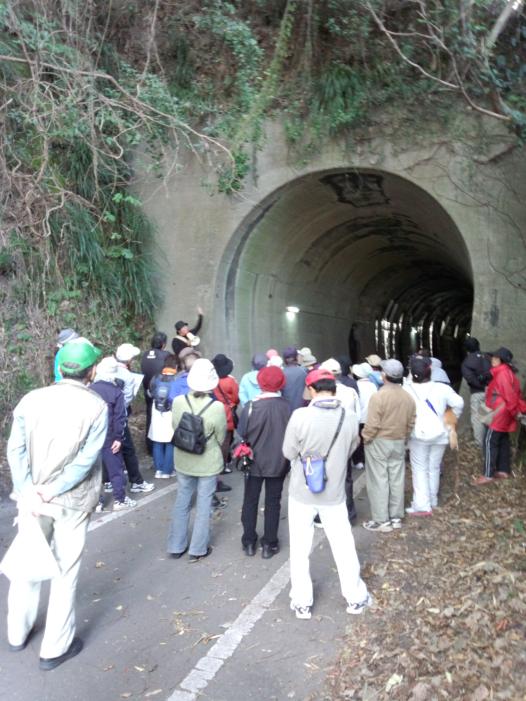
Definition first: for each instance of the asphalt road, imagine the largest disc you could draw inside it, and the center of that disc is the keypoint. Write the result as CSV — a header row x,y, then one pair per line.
x,y
164,629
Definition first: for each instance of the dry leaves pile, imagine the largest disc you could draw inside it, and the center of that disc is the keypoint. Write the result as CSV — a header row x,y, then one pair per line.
x,y
450,592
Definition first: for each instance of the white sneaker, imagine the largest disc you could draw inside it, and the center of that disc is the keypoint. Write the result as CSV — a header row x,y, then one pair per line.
x,y
384,527
143,487
99,507
359,466
161,475
302,612
396,523
356,609
123,505
108,487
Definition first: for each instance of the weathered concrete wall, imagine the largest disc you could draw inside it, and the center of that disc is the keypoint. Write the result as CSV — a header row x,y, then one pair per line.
x,y
459,193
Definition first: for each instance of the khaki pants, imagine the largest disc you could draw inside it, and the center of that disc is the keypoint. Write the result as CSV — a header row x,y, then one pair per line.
x,y
385,474
66,532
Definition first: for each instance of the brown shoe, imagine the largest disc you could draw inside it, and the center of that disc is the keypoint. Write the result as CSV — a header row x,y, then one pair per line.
x,y
482,480
502,475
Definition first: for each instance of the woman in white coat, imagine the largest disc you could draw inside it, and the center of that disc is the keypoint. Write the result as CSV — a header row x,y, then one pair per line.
x,y
430,435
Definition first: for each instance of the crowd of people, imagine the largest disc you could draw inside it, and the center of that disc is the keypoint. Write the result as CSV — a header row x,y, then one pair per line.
x,y
289,415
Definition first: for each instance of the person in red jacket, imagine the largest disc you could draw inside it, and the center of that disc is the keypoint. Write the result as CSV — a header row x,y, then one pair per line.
x,y
227,392
503,391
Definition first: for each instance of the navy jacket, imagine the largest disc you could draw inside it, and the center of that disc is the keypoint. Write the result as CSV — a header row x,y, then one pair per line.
x,y
114,398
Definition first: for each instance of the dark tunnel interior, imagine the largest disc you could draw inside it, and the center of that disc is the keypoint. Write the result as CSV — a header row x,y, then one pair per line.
x,y
371,262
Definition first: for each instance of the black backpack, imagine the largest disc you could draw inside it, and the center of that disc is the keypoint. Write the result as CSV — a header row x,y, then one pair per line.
x,y
190,433
161,393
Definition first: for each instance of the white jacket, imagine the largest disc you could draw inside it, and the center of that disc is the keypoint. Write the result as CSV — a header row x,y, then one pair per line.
x,y
367,389
441,396
349,399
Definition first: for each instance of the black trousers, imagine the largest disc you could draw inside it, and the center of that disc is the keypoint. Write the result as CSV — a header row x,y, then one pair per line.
x,y
359,453
497,453
130,458
349,497
225,446
249,513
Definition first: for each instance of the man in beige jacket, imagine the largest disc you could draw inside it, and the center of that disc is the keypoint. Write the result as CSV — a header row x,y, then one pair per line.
x,y
56,437
390,420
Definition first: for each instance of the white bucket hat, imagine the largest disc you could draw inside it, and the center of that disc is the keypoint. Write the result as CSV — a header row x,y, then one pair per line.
x,y
126,352
202,376
361,370
306,357
107,369
332,365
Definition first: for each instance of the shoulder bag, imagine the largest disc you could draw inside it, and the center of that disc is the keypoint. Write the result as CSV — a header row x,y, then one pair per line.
x,y
314,466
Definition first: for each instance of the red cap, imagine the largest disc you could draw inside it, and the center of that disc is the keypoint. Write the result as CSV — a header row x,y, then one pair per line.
x,y
319,374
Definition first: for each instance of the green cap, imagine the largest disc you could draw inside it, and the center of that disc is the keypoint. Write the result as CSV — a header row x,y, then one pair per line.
x,y
76,356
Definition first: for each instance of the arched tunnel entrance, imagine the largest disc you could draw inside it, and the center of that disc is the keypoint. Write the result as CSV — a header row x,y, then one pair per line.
x,y
371,261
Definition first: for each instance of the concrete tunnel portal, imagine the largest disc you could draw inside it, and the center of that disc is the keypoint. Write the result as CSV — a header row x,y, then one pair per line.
x,y
371,261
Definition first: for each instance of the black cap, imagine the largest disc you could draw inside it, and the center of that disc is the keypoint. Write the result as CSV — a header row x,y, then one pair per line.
x,y
179,325
420,369
471,344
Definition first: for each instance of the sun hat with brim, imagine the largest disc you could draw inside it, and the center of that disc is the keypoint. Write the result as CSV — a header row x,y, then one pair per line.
x,y
107,369
361,370
75,357
271,379
374,360
223,365
126,352
332,365
503,353
308,361
202,376
393,368
316,375
65,336
306,357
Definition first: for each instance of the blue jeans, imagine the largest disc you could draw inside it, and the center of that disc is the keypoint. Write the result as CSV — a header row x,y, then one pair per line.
x,y
178,535
163,457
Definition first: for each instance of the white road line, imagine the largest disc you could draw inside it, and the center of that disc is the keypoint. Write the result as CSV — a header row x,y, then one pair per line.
x,y
113,515
209,665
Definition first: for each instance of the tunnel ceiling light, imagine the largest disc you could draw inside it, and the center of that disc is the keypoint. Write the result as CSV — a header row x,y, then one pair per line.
x,y
293,310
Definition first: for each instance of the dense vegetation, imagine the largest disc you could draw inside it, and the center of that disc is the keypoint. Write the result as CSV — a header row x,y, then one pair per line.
x,y
84,85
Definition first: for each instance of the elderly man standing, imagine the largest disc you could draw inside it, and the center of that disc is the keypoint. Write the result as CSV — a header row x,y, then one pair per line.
x,y
56,437
390,420
321,433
